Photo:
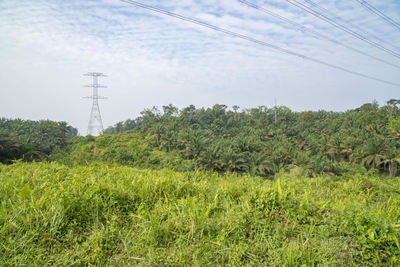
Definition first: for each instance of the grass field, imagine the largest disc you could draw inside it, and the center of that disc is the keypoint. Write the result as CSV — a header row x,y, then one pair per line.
x,y
51,214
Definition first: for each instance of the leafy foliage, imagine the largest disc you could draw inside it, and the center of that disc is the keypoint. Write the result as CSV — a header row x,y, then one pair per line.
x,y
124,149
91,207
257,142
31,140
51,214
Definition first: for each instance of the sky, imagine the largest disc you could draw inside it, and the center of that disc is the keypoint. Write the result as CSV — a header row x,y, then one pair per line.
x,y
154,60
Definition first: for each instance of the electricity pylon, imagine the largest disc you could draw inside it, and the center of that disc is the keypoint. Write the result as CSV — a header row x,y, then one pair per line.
x,y
95,126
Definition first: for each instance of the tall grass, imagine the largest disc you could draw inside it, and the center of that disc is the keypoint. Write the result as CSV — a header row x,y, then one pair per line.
x,y
51,214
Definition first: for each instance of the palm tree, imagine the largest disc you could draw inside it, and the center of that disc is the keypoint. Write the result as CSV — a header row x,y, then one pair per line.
x,y
207,159
156,132
371,153
9,148
301,158
391,161
391,165
193,142
258,164
231,160
320,164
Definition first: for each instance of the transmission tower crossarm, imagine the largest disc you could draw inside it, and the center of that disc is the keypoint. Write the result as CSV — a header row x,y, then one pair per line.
x,y
91,97
97,86
93,74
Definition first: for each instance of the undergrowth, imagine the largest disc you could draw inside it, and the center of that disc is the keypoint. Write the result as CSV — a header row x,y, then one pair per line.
x,y
52,214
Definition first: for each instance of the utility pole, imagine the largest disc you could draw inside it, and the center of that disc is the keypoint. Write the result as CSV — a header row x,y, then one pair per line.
x,y
95,126
276,112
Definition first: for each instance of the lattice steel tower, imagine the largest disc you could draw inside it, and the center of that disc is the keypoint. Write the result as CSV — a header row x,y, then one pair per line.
x,y
95,126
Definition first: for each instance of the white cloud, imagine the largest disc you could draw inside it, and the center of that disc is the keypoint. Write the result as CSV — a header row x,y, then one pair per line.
x,y
155,60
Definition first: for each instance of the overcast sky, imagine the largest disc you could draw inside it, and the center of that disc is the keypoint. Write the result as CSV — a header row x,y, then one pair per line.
x,y
155,60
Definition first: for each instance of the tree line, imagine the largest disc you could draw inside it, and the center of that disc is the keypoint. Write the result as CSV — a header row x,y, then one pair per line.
x,y
260,141
263,141
32,140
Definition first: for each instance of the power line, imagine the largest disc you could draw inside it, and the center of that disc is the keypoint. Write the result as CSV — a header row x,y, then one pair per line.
x,y
351,24
252,5
250,39
379,13
341,27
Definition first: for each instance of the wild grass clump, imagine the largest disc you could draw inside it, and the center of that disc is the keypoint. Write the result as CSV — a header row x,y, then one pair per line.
x,y
51,214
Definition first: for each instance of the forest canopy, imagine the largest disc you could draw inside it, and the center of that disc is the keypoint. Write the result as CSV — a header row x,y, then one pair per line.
x,y
32,140
260,141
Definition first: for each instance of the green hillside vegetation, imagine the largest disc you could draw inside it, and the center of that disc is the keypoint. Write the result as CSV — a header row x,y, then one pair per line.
x,y
204,187
51,215
250,141
122,149
31,140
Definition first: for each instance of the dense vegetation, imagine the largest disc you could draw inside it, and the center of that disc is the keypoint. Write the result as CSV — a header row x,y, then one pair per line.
x,y
31,140
53,215
257,141
132,150
257,187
